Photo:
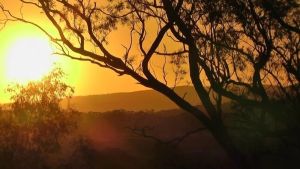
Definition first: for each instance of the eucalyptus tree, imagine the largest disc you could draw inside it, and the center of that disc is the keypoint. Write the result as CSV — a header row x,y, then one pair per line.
x,y
34,125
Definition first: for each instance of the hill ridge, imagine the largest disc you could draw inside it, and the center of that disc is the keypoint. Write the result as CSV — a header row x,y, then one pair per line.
x,y
132,101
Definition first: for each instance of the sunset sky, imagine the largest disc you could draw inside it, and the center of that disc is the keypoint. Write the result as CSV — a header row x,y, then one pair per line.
x,y
19,38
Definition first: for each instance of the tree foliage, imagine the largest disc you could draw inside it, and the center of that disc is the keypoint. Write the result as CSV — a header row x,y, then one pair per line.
x,y
35,124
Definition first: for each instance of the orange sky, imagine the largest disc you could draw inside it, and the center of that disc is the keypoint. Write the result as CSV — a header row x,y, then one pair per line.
x,y
86,78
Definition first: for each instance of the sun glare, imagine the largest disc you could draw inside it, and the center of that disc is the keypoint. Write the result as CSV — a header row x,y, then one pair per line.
x,y
29,59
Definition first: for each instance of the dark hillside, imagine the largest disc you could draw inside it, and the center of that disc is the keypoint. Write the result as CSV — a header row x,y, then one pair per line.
x,y
132,101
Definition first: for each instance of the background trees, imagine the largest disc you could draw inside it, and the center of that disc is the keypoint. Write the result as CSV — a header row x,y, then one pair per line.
x,y
244,50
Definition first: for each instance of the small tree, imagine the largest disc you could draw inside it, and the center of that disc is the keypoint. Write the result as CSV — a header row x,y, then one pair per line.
x,y
36,123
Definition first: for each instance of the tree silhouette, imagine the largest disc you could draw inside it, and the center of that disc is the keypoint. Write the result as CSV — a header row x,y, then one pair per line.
x,y
244,50
35,124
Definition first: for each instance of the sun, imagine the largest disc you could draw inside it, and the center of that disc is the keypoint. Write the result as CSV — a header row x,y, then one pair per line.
x,y
29,59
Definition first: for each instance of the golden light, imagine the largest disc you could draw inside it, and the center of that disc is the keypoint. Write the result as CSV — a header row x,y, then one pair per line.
x,y
29,59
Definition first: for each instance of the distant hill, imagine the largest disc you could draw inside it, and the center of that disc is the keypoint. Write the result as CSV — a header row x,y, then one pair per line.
x,y
132,101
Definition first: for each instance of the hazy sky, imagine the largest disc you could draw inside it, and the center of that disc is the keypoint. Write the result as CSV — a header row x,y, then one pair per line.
x,y
85,77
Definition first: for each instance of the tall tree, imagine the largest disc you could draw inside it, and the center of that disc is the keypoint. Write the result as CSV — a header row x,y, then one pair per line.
x,y
244,50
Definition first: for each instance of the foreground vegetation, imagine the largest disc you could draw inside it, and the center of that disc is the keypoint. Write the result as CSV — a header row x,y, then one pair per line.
x,y
129,140
37,133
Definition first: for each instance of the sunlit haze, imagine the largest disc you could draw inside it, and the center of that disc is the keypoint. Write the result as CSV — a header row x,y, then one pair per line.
x,y
29,59
26,54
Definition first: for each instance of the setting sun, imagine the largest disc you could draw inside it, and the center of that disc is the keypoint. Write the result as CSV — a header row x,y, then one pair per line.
x,y
29,59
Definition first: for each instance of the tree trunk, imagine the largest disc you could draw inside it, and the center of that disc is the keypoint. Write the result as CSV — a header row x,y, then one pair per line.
x,y
222,137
